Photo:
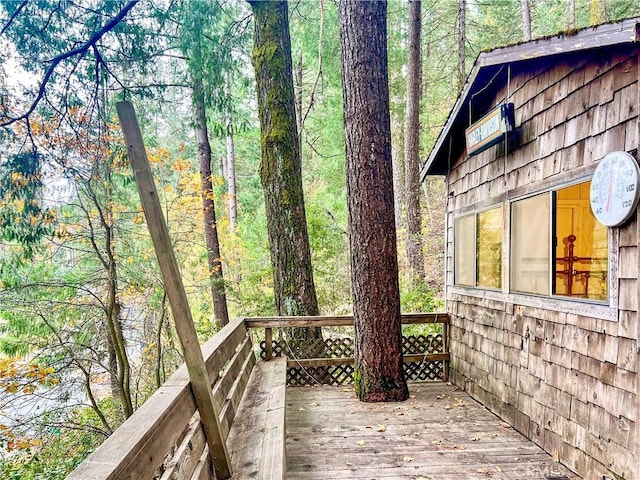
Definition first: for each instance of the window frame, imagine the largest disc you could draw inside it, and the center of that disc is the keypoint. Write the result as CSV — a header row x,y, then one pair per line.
x,y
474,256
550,238
474,214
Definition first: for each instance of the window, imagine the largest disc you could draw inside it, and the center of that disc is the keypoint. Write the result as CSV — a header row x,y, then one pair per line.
x,y
556,246
489,249
581,251
465,251
478,249
530,245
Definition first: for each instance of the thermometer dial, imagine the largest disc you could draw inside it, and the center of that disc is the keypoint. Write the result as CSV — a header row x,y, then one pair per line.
x,y
614,189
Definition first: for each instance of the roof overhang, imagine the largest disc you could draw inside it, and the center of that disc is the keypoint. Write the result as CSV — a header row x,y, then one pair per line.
x,y
491,67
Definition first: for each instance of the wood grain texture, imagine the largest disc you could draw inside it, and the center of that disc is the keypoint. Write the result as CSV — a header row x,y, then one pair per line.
x,y
203,469
337,321
235,395
243,359
439,433
140,445
257,437
187,456
172,278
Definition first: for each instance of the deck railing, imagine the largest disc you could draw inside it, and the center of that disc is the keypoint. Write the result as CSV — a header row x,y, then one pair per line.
x,y
329,360
163,439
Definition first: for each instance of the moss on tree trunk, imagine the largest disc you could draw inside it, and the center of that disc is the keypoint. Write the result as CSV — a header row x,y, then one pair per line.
x,y
280,168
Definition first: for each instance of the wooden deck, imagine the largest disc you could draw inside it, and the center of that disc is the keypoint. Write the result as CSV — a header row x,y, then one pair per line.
x,y
440,433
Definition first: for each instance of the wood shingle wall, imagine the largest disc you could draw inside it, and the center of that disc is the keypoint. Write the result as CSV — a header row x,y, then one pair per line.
x,y
562,372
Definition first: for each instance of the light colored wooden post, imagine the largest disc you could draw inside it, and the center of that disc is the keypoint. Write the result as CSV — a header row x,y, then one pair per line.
x,y
268,343
200,383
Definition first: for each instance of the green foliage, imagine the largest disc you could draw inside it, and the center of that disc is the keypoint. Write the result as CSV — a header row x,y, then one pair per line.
x,y
53,307
420,299
58,450
358,385
253,296
23,217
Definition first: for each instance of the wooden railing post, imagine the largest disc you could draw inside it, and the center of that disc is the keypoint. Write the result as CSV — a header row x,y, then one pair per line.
x,y
445,348
268,343
200,383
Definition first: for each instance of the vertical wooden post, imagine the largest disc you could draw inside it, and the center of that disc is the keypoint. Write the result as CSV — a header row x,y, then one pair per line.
x,y
445,348
268,343
200,382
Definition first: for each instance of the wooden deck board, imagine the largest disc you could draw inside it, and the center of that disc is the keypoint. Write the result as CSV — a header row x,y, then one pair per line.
x,y
256,439
440,433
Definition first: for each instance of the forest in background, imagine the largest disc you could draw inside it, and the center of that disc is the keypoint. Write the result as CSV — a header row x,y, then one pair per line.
x,y
85,328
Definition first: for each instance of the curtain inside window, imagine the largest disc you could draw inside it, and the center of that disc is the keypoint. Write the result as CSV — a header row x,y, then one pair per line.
x,y
530,250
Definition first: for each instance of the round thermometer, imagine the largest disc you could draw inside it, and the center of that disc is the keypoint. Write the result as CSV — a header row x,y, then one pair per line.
x,y
614,189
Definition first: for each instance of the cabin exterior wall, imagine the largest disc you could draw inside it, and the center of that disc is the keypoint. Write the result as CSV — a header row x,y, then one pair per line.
x,y
561,371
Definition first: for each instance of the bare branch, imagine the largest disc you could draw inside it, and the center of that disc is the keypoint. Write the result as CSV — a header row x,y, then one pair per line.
x,y
319,72
81,50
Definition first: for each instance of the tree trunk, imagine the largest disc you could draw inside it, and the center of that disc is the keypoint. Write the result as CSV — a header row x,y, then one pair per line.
x,y
399,192
298,96
107,256
230,174
281,169
525,10
159,363
208,206
113,364
397,154
597,11
415,256
115,330
462,39
374,269
229,171
572,14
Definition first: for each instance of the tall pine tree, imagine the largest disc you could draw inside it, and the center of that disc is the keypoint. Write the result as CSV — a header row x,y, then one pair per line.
x,y
374,268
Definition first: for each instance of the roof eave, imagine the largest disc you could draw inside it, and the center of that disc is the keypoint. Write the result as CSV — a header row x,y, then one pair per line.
x,y
622,32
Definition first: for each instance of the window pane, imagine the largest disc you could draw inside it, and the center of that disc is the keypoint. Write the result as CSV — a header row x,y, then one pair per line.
x,y
581,264
530,245
489,249
465,251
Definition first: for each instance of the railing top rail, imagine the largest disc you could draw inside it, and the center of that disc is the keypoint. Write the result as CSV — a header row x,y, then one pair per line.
x,y
337,321
138,447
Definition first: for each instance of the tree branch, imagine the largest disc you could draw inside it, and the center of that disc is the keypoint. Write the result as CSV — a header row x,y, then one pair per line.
x,y
81,50
14,16
319,72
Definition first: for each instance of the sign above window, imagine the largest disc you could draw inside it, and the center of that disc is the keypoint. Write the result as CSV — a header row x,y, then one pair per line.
x,y
490,129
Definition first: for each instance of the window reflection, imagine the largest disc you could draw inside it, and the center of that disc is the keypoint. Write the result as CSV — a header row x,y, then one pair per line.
x,y
489,248
530,227
581,251
465,250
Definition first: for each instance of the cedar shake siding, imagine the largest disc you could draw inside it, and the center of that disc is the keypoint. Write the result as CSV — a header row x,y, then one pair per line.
x,y
561,370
